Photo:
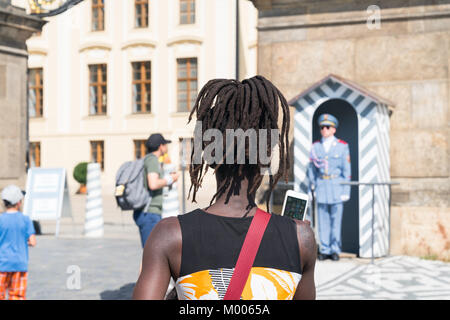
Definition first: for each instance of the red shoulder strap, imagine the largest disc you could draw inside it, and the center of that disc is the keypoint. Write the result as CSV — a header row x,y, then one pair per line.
x,y
247,255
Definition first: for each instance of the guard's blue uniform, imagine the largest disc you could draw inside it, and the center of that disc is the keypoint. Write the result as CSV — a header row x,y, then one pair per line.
x,y
325,172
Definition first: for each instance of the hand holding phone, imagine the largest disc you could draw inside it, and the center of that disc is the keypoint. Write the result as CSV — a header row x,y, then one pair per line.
x,y
295,205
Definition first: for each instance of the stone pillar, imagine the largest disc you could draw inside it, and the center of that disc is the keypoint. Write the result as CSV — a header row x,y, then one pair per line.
x,y
15,28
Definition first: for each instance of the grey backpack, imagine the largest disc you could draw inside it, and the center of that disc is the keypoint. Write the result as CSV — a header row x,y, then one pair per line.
x,y
131,193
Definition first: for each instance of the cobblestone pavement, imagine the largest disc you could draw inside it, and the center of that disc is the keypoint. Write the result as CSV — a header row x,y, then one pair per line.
x,y
78,269
397,277
108,269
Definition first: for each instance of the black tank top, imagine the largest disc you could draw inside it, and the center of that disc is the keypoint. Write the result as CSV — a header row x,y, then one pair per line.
x,y
210,248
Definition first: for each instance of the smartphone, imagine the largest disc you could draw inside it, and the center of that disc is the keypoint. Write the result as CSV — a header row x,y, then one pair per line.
x,y
295,204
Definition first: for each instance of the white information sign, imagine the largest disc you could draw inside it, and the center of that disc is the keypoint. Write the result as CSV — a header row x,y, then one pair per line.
x,y
47,195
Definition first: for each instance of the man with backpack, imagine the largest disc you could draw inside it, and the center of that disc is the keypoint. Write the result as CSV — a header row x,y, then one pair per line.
x,y
154,181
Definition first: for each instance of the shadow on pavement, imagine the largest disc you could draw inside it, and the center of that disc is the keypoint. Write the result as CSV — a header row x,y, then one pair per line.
x,y
124,293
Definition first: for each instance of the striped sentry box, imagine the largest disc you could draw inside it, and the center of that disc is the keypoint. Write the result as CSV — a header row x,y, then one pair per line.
x,y
373,118
93,224
170,207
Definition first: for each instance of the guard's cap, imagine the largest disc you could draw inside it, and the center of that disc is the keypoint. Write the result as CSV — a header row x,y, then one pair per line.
x,y
12,194
154,141
327,119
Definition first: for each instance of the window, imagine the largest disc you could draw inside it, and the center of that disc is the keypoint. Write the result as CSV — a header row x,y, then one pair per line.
x,y
140,150
187,11
141,13
97,153
97,89
35,154
35,92
141,87
98,15
187,83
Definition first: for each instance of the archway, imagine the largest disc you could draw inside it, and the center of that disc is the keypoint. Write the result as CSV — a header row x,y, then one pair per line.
x,y
347,131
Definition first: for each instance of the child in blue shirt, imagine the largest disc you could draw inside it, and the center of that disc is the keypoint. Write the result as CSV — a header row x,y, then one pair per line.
x,y
16,234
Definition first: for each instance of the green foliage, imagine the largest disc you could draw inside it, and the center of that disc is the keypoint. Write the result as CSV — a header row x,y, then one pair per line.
x,y
80,172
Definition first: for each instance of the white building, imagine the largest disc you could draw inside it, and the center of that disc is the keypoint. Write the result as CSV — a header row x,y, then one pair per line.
x,y
106,74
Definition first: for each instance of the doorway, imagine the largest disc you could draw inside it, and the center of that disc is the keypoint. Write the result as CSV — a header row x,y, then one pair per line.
x,y
347,131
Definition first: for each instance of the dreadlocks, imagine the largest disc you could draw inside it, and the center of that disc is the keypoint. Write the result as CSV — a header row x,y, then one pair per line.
x,y
251,104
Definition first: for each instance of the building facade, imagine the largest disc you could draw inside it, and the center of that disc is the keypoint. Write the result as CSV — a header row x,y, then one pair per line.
x,y
398,50
106,74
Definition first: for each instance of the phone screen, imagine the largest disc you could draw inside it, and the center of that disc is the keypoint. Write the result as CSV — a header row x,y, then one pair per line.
x,y
295,208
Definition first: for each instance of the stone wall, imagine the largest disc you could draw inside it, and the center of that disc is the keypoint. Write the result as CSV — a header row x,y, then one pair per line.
x,y
13,82
407,61
421,231
15,28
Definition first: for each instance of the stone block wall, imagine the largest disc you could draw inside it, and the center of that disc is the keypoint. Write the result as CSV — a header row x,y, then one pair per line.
x,y
15,28
13,82
407,61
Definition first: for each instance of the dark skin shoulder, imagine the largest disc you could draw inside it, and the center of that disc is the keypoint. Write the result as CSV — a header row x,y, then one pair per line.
x,y
161,260
306,289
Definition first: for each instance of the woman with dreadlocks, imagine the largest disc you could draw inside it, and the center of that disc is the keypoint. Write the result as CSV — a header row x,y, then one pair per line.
x,y
199,249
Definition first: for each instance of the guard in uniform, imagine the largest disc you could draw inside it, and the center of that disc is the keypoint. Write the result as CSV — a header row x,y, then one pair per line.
x,y
329,166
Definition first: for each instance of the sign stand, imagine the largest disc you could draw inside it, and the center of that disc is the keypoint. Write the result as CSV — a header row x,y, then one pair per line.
x,y
66,207
47,195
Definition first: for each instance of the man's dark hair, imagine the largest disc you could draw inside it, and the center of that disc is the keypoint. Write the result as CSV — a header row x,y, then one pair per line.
x,y
8,204
251,104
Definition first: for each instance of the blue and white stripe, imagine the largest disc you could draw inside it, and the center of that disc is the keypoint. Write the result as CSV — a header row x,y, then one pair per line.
x,y
93,224
170,206
373,154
